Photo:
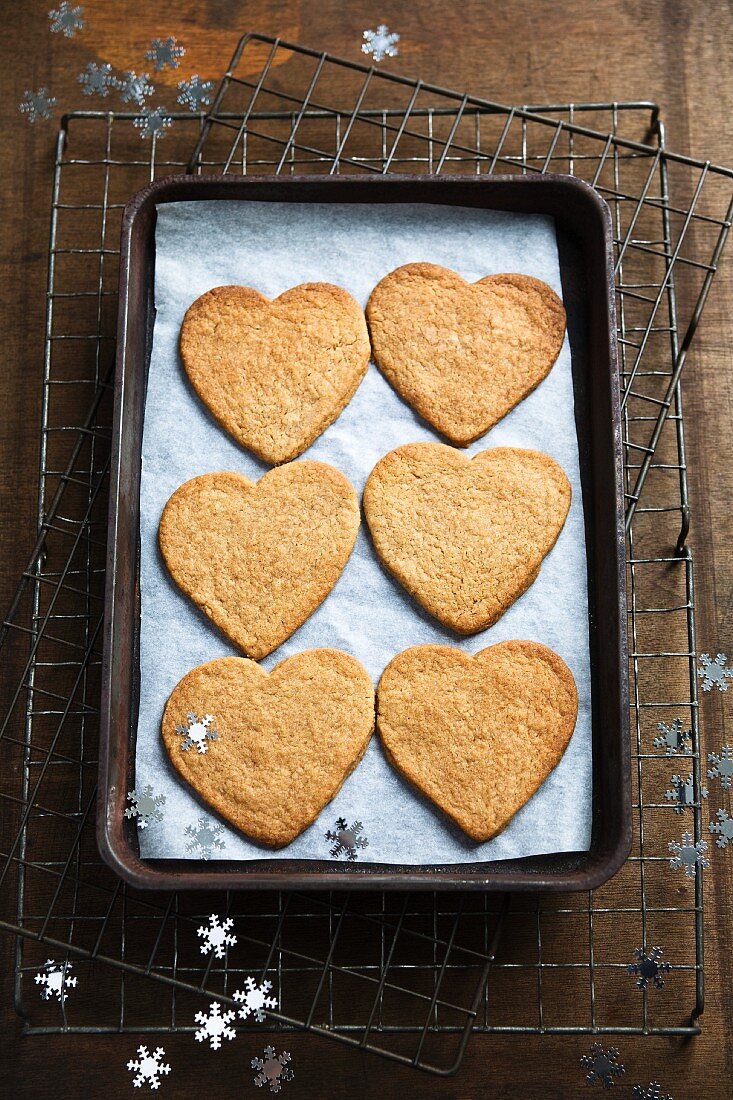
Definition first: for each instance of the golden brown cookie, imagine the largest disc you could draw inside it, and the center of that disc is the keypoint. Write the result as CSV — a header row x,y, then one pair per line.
x,y
259,557
466,537
477,735
463,354
269,750
275,373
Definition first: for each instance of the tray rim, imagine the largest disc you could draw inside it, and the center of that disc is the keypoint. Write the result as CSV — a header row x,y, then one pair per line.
x,y
313,874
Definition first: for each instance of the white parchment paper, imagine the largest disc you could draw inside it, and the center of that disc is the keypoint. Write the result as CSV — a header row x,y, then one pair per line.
x,y
273,246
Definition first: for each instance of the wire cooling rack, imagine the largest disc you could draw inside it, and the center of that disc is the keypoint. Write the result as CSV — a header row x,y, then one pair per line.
x,y
404,976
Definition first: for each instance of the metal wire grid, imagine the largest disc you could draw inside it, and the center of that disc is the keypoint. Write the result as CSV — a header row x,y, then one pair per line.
x,y
403,976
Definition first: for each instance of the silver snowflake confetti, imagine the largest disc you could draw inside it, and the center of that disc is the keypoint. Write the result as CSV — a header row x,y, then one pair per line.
x,y
603,1065
205,838
37,105
197,731
145,806
214,1026
217,936
346,839
649,967
722,768
134,88
675,738
195,93
653,1091
682,793
688,855
66,20
165,53
253,999
153,123
97,79
714,672
723,827
148,1067
56,981
273,1069
380,43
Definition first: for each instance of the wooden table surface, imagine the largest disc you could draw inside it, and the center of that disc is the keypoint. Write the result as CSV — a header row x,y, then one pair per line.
x,y
678,54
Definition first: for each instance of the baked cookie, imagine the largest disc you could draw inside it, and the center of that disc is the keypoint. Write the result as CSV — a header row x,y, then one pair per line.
x,y
269,750
275,373
463,354
466,537
477,735
259,557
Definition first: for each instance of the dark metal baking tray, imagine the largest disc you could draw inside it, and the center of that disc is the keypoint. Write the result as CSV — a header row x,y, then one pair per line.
x,y
585,242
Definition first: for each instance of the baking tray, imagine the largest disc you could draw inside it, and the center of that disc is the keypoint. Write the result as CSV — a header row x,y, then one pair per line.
x,y
585,244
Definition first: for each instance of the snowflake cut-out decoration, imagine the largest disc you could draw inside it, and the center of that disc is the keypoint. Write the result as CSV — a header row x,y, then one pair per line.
x,y
197,731
97,79
205,838
37,105
723,827
722,766
688,855
217,936
253,999
134,88
674,738
152,122
602,1065
195,93
346,839
56,980
380,43
165,53
145,806
148,1067
67,20
682,793
653,1091
273,1069
214,1025
714,672
649,967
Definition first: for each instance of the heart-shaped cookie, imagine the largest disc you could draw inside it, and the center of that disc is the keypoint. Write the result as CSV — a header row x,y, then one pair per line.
x,y
465,537
477,735
463,354
269,750
259,557
275,373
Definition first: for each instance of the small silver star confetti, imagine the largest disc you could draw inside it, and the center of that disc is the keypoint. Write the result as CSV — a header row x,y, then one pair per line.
x,y
66,20
97,79
722,768
148,1067
714,671
652,1092
217,936
195,93
37,104
272,1069
214,1025
253,999
688,855
603,1065
55,980
346,839
682,793
165,53
205,838
197,731
674,738
380,43
145,806
134,88
723,827
648,967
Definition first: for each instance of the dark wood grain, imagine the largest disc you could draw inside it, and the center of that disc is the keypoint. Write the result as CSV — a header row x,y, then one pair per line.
x,y
679,53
